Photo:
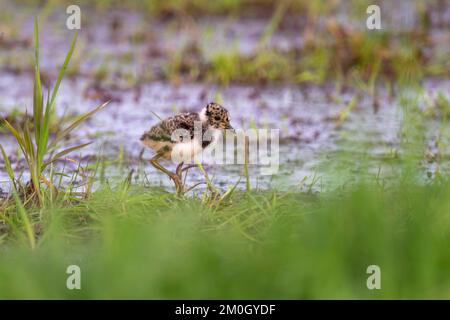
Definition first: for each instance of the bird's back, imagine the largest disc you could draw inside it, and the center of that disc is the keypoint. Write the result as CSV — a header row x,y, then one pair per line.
x,y
159,137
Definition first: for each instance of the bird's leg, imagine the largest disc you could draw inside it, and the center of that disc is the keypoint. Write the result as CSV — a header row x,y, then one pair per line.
x,y
179,173
179,170
173,176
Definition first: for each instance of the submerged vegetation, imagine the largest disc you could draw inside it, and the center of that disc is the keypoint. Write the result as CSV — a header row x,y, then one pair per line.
x,y
133,240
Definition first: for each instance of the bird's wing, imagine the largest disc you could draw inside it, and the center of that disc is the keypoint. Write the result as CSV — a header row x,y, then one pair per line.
x,y
164,129
186,121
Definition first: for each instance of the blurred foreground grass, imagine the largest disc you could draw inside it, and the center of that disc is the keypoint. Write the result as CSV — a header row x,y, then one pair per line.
x,y
147,244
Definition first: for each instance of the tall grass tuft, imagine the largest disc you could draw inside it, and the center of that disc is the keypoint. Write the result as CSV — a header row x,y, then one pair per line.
x,y
33,140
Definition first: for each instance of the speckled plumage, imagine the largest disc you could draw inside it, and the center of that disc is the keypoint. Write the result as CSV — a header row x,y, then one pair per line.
x,y
179,149
163,130
159,137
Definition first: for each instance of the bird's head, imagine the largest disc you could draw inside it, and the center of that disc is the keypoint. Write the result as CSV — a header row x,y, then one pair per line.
x,y
216,116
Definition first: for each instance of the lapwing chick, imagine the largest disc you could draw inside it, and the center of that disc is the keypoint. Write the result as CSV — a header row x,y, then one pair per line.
x,y
161,138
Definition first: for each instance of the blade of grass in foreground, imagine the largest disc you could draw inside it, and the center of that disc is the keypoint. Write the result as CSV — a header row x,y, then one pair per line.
x,y
63,70
208,180
42,140
37,86
27,224
21,209
81,119
34,142
8,166
65,152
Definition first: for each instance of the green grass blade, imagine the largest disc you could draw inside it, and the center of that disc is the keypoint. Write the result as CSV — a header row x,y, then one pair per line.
x,y
65,152
37,105
29,146
274,23
42,143
22,212
26,221
63,70
227,195
207,179
60,136
8,166
36,40
37,87
14,132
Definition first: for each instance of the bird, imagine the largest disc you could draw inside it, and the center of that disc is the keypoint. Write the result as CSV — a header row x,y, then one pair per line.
x,y
167,143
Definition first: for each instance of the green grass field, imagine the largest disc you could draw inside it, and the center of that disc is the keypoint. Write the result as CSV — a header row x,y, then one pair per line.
x,y
135,243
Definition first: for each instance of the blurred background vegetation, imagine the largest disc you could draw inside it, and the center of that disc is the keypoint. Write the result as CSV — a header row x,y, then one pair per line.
x,y
334,41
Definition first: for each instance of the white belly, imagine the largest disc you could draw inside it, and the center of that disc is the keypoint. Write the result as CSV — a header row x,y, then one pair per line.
x,y
186,151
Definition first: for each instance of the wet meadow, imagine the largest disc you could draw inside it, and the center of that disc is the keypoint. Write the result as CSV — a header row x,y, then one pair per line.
x,y
364,150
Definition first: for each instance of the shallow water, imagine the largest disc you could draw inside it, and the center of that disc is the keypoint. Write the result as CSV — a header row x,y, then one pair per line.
x,y
309,135
312,147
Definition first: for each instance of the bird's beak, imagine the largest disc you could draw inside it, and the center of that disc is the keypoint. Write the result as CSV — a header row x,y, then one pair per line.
x,y
231,129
